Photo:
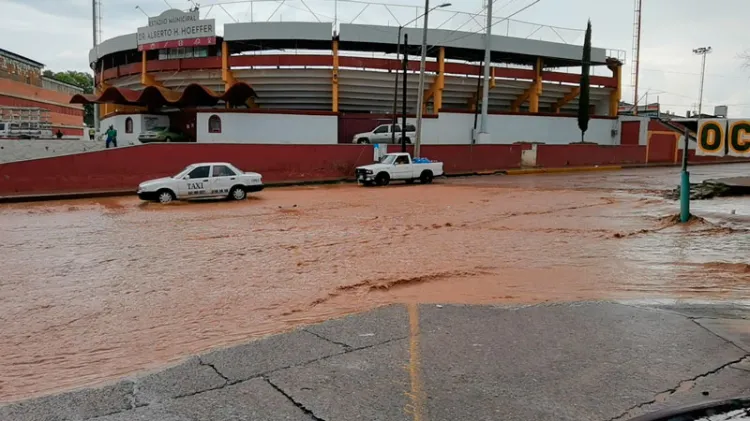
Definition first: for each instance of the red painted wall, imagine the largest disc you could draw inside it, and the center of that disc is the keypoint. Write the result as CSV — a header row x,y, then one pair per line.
x,y
661,147
354,123
125,168
459,159
351,124
657,125
630,132
558,156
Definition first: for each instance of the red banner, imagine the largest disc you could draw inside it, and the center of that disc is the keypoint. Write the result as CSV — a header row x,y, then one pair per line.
x,y
190,42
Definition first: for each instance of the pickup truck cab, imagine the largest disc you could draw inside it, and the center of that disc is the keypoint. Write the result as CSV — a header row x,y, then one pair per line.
x,y
383,134
207,180
399,166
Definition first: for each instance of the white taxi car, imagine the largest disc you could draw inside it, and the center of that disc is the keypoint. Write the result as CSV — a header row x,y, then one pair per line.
x,y
207,180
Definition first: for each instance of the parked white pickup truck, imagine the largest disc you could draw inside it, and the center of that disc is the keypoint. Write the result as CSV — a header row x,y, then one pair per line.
x,y
399,166
384,134
208,180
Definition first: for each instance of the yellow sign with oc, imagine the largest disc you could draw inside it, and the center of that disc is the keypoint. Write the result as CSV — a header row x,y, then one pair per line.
x,y
711,137
738,138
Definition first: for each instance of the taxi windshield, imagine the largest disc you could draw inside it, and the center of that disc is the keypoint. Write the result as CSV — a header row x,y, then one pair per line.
x,y
184,172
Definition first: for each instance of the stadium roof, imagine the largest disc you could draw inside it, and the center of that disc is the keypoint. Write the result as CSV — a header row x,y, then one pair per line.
x,y
256,36
153,96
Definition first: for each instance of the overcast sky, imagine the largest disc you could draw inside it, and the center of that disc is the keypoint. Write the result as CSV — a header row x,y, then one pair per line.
x,y
58,33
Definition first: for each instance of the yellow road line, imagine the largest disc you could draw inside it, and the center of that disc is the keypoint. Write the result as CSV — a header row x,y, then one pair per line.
x,y
417,397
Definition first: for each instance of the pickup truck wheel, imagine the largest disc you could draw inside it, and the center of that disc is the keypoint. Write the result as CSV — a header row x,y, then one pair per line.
x,y
407,141
426,177
382,179
167,139
363,141
165,196
237,193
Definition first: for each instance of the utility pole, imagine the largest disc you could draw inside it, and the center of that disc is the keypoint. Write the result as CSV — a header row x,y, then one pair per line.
x,y
398,48
486,77
636,63
702,51
685,180
403,94
394,120
95,28
420,92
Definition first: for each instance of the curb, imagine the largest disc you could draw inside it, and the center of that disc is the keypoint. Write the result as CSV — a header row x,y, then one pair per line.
x,y
64,196
679,164
530,171
309,182
475,173
131,192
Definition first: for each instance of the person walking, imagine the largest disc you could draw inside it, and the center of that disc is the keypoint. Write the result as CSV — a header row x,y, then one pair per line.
x,y
92,134
111,136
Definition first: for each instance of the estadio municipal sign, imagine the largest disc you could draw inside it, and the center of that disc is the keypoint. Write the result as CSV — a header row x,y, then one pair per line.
x,y
175,28
723,137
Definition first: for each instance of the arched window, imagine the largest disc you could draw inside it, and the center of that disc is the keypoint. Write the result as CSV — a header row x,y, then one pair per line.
x,y
214,124
128,125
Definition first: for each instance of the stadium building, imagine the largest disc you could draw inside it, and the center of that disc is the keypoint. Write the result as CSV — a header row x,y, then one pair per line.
x,y
30,100
320,83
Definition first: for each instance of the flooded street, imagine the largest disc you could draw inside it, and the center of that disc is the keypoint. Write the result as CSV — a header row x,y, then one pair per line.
x,y
96,289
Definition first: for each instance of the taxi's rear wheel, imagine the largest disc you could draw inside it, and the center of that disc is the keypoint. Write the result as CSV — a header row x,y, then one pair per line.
x,y
165,196
237,193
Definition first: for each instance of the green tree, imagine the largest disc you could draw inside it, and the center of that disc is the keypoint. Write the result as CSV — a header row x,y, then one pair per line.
x,y
584,95
84,81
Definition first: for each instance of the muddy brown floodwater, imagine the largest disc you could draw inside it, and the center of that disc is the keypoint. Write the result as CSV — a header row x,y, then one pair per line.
x,y
96,289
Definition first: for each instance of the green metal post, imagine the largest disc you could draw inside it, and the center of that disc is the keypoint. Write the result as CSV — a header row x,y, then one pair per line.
x,y
685,183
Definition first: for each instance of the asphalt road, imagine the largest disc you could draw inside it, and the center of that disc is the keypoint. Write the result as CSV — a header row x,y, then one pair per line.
x,y
576,361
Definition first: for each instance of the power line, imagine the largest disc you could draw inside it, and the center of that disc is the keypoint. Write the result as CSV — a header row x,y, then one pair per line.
x,y
468,34
694,74
477,14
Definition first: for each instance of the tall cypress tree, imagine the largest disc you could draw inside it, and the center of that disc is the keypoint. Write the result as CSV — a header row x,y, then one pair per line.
x,y
583,100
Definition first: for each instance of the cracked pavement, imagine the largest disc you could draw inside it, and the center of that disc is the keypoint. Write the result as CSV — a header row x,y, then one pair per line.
x,y
575,361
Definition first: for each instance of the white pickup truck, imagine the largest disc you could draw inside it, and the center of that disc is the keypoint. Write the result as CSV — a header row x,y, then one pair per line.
x,y
207,180
384,134
399,166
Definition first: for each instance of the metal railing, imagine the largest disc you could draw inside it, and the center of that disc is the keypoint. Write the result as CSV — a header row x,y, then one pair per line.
x,y
620,55
384,14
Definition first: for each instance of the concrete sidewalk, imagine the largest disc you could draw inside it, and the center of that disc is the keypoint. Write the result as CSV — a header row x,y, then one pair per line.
x,y
579,361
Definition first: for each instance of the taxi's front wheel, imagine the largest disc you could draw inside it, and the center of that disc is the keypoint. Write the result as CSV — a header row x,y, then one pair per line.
x,y
165,196
237,193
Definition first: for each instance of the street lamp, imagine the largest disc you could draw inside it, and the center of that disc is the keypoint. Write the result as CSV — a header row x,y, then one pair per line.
x,y
139,8
702,51
398,53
